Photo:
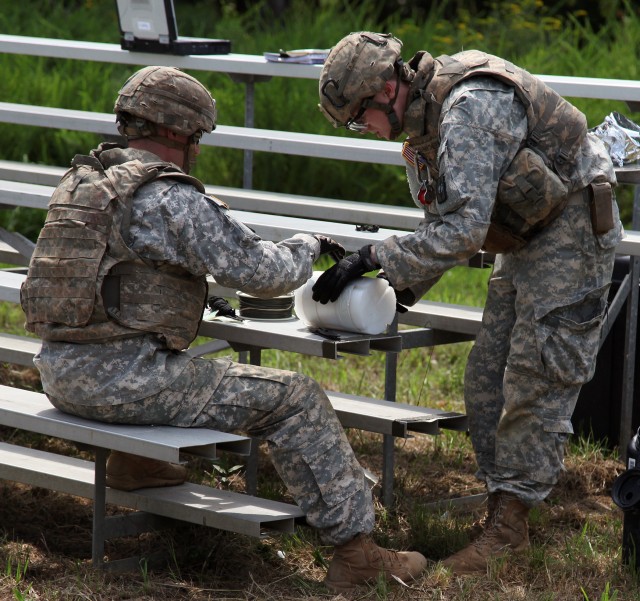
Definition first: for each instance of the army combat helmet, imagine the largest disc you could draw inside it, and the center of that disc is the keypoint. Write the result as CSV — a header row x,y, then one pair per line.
x,y
164,96
356,69
167,97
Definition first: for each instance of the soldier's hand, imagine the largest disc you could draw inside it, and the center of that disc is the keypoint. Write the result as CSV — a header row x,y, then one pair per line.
x,y
332,282
329,246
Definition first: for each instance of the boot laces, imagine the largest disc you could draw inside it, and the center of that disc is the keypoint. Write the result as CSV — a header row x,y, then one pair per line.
x,y
385,557
490,535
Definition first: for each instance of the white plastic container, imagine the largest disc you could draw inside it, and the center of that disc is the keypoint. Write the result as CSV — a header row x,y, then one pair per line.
x,y
365,306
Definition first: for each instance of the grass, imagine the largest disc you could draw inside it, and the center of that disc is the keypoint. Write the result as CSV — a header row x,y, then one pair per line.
x,y
576,534
574,554
528,33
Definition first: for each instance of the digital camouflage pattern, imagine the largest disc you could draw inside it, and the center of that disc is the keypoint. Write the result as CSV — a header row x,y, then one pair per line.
x,y
290,411
84,283
140,380
356,69
532,190
166,96
546,302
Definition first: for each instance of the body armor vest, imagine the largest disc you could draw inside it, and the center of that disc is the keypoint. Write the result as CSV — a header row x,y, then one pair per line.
x,y
534,189
85,285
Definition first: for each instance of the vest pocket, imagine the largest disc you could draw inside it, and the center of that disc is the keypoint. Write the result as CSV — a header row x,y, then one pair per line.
x,y
530,188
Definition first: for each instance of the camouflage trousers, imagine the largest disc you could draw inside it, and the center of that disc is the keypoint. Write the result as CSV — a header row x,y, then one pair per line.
x,y
538,344
291,412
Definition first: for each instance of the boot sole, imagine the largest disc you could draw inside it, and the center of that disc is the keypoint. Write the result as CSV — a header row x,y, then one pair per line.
x,y
483,569
340,587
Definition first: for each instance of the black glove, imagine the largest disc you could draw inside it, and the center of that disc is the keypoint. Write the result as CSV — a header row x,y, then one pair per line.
x,y
221,306
332,282
403,297
330,246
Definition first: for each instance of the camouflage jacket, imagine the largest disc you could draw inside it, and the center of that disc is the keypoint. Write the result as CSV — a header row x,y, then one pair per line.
x,y
532,191
483,125
173,223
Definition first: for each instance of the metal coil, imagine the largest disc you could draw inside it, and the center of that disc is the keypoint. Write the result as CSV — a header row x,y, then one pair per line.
x,y
252,307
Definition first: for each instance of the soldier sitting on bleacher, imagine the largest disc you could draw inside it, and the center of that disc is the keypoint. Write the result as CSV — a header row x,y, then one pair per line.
x,y
116,290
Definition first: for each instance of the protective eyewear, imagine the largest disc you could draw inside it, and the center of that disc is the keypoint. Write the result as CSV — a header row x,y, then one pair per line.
x,y
357,123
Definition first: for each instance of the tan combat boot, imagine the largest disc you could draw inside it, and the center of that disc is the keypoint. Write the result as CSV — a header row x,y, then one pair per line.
x,y
506,532
477,528
130,472
361,560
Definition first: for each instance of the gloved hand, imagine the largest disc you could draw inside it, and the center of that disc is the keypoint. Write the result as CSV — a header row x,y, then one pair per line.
x,y
332,282
403,297
221,306
330,246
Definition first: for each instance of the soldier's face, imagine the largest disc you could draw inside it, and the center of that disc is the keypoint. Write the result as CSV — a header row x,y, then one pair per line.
x,y
376,120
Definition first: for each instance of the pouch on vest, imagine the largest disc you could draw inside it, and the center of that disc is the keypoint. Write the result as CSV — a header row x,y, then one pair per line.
x,y
531,189
60,287
501,240
601,206
66,265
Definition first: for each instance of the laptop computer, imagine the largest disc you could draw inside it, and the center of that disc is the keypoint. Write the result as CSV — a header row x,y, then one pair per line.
x,y
150,26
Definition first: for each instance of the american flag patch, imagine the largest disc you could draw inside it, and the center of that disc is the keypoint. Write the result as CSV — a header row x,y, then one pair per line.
x,y
409,155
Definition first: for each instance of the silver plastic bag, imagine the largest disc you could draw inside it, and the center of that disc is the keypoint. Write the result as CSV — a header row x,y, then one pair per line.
x,y
621,136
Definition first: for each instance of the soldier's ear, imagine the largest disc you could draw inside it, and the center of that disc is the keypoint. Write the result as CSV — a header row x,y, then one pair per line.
x,y
390,88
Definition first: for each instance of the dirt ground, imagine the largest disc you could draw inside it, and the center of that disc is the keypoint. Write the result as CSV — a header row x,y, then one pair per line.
x,y
45,547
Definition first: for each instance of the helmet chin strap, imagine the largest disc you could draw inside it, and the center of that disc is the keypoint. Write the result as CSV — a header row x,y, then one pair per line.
x,y
387,108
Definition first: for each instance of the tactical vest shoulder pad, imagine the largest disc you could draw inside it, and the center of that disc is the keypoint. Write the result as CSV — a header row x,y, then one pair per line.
x,y
174,173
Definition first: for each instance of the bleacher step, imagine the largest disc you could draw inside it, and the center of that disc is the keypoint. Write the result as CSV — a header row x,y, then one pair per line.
x,y
197,504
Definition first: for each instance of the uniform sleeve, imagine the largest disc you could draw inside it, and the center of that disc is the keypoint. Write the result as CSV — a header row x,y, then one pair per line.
x,y
173,223
482,128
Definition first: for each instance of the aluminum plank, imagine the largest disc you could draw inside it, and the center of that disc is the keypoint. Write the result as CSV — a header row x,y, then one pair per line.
x,y
27,410
387,417
10,282
31,173
309,207
233,63
313,207
293,335
269,227
18,349
224,136
443,316
630,244
189,502
256,65
11,256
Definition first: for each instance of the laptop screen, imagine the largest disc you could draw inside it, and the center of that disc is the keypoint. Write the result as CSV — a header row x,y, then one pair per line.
x,y
147,20
150,26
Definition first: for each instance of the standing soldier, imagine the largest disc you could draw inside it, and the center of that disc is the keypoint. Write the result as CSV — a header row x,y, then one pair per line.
x,y
498,161
116,290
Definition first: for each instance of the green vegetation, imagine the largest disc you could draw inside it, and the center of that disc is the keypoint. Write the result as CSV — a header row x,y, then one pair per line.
x,y
528,33
575,536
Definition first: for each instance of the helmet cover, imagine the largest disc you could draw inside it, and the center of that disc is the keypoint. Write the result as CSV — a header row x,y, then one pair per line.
x,y
357,67
169,97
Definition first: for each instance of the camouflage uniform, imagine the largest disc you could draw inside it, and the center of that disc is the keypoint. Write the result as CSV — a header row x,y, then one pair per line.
x,y
546,302
139,380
